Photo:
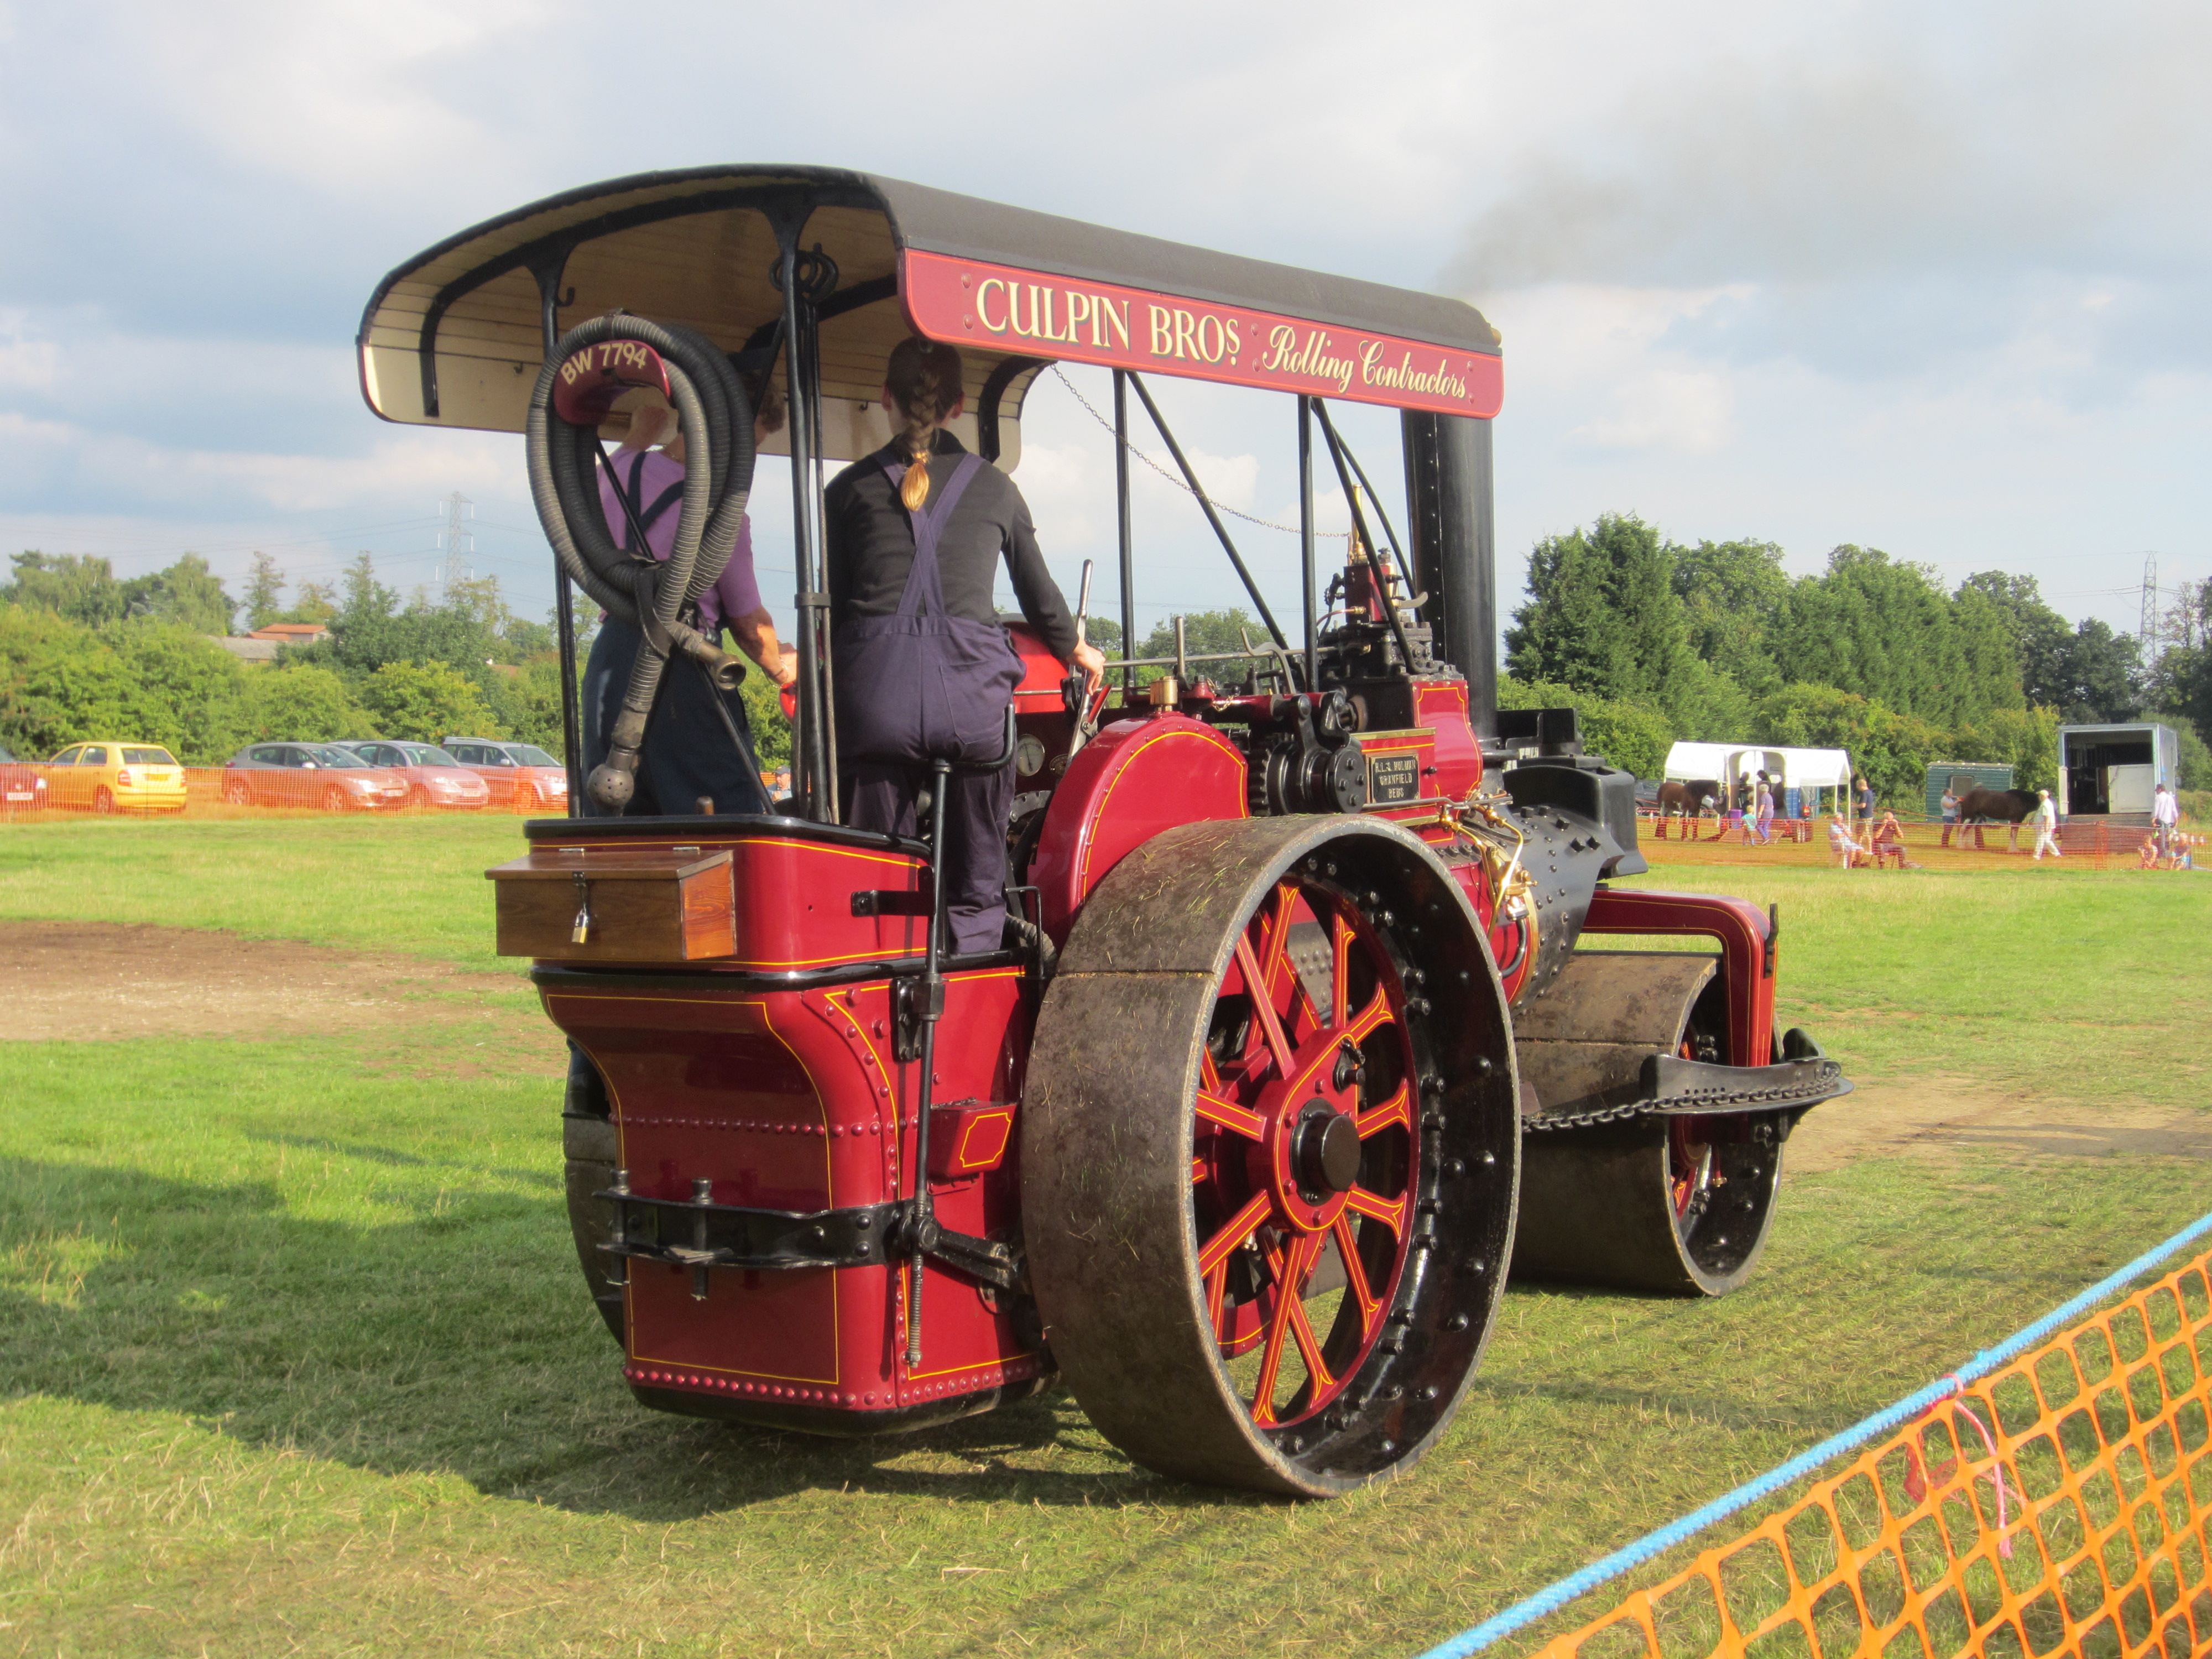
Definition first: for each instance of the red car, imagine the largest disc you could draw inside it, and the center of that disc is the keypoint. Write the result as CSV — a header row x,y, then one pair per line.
x,y
311,774
433,777
23,787
522,776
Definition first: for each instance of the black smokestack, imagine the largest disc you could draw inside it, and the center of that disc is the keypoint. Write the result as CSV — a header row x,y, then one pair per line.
x,y
1448,487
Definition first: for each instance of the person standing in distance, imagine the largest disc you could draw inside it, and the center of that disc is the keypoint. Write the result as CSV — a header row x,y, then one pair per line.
x,y
2046,825
2165,814
914,534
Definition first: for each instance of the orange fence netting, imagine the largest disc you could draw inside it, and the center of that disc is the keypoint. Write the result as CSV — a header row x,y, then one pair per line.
x,y
29,791
2058,1506
1921,844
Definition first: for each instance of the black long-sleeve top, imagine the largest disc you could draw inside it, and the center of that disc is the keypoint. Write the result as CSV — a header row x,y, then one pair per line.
x,y
870,543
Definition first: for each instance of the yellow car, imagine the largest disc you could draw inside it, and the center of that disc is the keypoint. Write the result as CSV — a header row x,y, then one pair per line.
x,y
109,776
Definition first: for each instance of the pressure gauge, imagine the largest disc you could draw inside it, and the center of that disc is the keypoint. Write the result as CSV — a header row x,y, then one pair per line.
x,y
1029,757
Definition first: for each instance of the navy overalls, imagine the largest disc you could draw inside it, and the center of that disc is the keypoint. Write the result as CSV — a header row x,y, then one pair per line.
x,y
920,684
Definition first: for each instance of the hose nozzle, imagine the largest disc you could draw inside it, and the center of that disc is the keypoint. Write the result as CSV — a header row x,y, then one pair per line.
x,y
614,781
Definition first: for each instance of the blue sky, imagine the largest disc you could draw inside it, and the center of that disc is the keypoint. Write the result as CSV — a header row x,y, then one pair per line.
x,y
1927,279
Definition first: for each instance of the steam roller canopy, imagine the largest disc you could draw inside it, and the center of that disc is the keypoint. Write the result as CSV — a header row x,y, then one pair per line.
x,y
1674,1202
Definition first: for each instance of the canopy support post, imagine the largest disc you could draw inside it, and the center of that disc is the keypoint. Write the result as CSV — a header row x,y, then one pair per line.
x,y
548,271
1128,543
1205,504
1306,535
815,784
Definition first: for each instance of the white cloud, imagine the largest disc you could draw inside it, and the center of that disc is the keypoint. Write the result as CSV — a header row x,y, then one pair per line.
x,y
1924,278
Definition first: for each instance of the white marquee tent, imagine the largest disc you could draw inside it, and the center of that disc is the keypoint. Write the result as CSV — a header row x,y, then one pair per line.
x,y
1801,769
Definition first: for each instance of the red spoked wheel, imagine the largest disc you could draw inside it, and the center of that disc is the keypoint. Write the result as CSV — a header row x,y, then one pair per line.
x,y
1268,1153
1690,1173
1302,1148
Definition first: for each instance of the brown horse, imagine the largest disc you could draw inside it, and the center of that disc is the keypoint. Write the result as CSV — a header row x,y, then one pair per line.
x,y
1979,806
1692,799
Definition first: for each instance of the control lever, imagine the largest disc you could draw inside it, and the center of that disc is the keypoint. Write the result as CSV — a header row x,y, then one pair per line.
x,y
1075,690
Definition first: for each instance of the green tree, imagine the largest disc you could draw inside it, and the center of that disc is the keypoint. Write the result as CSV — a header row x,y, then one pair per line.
x,y
2038,634
366,598
1892,750
72,585
60,682
187,593
1603,617
526,639
2098,675
314,602
424,701
300,702
479,598
1733,595
526,704
771,731
1886,629
189,689
2026,739
264,593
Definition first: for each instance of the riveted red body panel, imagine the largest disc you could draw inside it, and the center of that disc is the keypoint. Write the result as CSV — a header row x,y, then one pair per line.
x,y
1138,777
794,1100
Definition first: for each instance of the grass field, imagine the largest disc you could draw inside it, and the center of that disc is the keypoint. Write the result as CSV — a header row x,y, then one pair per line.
x,y
292,1358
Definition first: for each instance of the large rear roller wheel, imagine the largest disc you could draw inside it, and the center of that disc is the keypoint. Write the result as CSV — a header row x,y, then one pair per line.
x,y
1268,1153
1678,1204
588,1138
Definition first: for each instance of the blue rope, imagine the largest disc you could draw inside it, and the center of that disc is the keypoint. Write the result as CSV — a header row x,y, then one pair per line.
x,y
1552,1597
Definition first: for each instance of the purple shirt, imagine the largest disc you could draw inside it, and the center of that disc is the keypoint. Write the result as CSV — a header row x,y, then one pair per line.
x,y
647,475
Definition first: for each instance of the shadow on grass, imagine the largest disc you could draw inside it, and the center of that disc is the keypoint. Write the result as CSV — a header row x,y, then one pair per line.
x,y
456,1340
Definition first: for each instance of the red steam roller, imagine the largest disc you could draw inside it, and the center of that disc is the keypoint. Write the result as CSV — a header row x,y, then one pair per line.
x,y
1299,1053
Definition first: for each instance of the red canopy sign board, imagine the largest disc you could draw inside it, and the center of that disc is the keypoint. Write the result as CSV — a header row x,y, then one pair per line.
x,y
1008,309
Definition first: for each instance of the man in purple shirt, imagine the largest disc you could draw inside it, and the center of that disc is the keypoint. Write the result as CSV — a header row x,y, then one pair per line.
x,y
693,751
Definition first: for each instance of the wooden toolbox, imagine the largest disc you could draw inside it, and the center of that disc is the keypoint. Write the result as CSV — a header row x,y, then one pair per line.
x,y
616,904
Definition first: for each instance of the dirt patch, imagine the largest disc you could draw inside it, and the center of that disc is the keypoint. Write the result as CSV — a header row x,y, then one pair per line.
x,y
90,982
1947,1116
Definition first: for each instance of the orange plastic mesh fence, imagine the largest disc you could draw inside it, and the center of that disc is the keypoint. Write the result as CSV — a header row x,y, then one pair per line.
x,y
2095,843
2072,1520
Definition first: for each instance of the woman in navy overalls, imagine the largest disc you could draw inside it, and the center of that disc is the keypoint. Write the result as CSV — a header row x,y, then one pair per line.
x,y
914,534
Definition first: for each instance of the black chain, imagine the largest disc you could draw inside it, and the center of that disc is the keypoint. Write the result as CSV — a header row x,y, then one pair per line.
x,y
1701,1102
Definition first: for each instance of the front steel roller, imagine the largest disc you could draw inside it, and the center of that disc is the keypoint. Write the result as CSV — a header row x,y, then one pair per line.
x,y
1678,1203
1269,1151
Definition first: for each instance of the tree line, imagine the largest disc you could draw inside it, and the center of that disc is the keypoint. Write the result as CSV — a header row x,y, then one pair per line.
x,y
1651,641
84,655
1654,641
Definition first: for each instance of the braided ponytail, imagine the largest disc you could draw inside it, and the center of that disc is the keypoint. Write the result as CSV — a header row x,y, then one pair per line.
x,y
925,379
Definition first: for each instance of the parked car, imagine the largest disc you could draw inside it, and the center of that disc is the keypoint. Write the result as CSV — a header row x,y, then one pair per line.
x,y
433,777
523,777
309,774
22,787
111,775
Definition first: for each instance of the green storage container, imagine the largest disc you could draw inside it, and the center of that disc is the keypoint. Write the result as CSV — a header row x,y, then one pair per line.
x,y
1962,775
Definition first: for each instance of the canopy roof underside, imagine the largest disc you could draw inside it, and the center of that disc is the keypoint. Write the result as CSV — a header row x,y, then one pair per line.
x,y
454,337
